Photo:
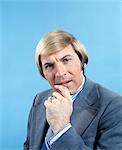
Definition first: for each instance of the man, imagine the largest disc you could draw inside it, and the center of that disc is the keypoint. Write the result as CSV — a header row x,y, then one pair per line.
x,y
76,114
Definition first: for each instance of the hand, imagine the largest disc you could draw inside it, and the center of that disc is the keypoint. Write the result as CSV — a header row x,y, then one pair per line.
x,y
59,108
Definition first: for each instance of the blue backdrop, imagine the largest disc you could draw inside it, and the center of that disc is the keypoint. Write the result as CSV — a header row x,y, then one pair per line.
x,y
23,23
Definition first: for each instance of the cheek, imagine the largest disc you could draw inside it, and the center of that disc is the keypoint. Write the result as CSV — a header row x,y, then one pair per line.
x,y
76,69
77,74
49,77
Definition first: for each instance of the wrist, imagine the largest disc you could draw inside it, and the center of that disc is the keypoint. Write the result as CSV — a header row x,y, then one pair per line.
x,y
59,127
60,133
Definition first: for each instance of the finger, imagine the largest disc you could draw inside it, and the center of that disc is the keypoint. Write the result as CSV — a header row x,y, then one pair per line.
x,y
49,98
57,95
47,103
64,91
52,99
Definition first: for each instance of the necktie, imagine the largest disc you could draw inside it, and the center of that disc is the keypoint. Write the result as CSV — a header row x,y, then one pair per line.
x,y
44,146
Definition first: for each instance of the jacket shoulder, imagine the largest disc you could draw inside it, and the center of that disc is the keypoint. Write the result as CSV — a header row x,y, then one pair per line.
x,y
107,94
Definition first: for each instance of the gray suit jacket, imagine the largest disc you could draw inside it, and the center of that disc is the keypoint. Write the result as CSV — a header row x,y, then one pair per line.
x,y
96,121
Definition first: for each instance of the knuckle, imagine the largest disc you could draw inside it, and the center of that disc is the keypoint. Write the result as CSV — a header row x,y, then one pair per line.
x,y
46,103
54,93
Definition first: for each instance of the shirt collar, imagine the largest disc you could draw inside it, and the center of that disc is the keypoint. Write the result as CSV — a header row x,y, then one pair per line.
x,y
78,90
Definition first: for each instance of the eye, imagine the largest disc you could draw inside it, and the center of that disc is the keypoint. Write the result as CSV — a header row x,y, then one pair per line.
x,y
66,60
48,67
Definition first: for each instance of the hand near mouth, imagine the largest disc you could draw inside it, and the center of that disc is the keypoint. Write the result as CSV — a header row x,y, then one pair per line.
x,y
59,108
63,91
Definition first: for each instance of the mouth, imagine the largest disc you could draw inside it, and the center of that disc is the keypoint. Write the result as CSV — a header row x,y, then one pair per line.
x,y
64,83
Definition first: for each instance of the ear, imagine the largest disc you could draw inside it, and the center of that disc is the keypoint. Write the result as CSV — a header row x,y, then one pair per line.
x,y
40,67
79,56
83,68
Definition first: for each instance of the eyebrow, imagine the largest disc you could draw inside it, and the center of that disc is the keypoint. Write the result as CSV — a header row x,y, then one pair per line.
x,y
65,56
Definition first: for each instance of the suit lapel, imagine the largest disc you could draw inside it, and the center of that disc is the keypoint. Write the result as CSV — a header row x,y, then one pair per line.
x,y
85,107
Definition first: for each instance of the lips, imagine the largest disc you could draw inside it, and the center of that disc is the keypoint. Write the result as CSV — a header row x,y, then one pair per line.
x,y
63,82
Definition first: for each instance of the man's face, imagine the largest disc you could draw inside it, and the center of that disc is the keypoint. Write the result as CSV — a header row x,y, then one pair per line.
x,y
63,68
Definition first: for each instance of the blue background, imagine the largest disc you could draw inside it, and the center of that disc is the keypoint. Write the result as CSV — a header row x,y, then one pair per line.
x,y
22,23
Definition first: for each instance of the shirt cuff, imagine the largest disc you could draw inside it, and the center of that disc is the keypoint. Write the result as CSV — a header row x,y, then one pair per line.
x,y
60,133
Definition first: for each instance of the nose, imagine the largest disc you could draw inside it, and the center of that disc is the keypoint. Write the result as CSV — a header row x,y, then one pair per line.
x,y
60,70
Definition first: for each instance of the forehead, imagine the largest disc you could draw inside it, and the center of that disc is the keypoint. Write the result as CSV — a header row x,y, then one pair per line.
x,y
67,51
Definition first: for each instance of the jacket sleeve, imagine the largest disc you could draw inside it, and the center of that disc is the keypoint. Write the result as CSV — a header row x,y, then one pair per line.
x,y
109,134
110,127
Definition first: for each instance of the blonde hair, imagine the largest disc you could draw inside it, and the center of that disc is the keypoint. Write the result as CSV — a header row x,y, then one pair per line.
x,y
55,41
